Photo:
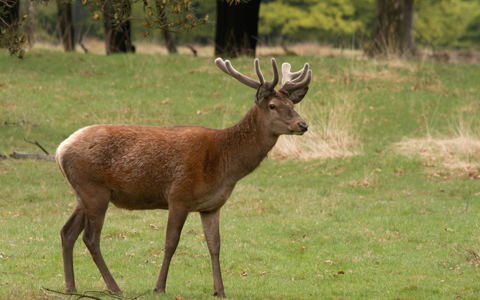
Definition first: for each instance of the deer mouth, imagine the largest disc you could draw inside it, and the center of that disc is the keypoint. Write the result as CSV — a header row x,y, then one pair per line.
x,y
294,132
302,128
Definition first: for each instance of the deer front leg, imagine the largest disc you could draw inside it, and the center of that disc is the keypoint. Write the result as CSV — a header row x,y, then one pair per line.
x,y
210,222
176,218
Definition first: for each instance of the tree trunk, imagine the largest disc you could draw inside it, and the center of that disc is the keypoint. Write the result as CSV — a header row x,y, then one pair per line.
x,y
11,10
29,26
117,38
409,48
169,43
393,29
236,28
65,22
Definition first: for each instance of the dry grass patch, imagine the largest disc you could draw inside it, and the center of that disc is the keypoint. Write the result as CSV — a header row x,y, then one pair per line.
x,y
308,48
333,133
97,46
459,152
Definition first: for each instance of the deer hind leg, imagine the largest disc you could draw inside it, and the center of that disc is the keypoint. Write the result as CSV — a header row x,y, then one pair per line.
x,y
176,219
95,216
69,233
210,222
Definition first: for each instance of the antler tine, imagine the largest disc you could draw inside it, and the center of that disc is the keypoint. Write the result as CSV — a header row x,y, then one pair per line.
x,y
293,76
286,75
273,83
256,64
227,68
290,86
221,65
302,74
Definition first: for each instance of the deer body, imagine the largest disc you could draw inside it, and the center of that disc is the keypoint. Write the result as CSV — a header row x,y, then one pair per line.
x,y
183,169
142,165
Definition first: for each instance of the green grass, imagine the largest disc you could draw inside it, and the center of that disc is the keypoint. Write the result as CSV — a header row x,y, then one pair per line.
x,y
290,227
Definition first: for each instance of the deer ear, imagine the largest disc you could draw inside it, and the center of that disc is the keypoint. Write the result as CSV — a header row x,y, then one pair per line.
x,y
298,95
263,92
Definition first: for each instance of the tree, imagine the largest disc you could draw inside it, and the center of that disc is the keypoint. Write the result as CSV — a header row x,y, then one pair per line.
x,y
237,28
10,22
117,32
167,37
116,16
173,16
393,29
321,20
447,23
65,23
29,28
9,11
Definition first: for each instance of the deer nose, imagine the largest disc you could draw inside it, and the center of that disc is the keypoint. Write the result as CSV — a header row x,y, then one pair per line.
x,y
303,127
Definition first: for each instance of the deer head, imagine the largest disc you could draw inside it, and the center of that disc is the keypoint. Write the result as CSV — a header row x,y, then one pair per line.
x,y
276,107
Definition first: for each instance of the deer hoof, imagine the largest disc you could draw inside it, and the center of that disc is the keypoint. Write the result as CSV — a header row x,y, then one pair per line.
x,y
220,295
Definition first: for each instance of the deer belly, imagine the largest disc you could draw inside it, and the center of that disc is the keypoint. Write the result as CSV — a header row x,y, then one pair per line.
x,y
139,200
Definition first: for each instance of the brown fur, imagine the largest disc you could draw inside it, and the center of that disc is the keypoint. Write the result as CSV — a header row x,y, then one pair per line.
x,y
183,169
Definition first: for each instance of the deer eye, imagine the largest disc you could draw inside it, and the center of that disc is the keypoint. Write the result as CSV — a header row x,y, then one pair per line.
x,y
272,106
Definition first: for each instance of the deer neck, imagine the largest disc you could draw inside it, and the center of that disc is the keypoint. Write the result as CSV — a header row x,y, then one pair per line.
x,y
248,143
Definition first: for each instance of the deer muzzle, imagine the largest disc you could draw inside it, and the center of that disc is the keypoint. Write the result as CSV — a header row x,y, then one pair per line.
x,y
303,127
300,128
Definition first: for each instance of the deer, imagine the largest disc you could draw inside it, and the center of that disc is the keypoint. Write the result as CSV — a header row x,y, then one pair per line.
x,y
181,169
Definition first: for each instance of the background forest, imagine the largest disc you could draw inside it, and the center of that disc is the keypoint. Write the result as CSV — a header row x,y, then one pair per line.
x,y
439,24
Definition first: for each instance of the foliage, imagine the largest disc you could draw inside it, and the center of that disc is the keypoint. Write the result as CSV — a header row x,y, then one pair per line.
x,y
373,226
443,23
472,34
12,36
307,19
45,20
437,23
172,15
201,34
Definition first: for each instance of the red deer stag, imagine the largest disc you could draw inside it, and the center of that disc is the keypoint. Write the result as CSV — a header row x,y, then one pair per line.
x,y
182,168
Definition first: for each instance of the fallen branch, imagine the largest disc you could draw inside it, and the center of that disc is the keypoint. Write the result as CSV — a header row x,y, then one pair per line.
x,y
83,47
7,122
79,296
86,295
193,50
37,144
23,155
81,37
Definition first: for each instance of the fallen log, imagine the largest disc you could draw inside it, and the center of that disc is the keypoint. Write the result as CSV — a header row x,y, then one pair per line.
x,y
24,155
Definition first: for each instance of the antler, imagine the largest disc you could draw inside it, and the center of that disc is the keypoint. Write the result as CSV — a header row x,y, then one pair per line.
x,y
267,86
294,81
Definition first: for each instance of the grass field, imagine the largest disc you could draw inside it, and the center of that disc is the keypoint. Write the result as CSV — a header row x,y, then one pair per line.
x,y
382,201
